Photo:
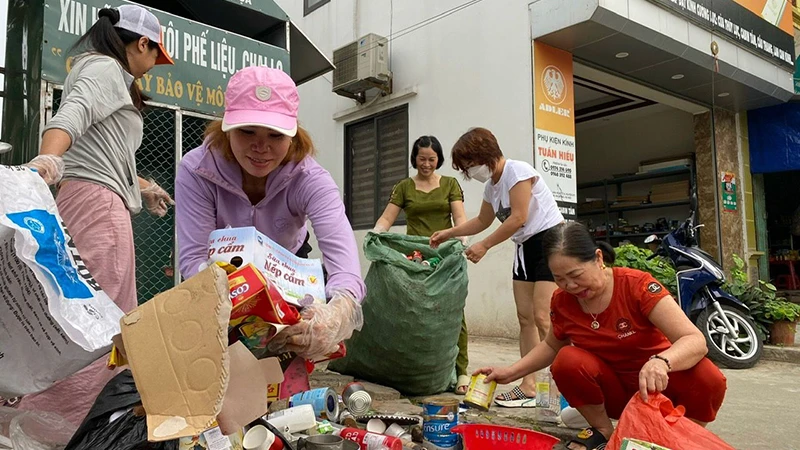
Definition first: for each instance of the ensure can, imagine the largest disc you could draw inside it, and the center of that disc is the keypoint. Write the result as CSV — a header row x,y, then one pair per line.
x,y
479,394
357,399
440,415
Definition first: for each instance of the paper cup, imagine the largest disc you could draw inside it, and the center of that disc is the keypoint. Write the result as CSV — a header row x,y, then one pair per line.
x,y
395,430
259,438
376,426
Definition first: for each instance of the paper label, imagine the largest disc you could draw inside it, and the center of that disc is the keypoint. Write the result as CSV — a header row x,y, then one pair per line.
x,y
216,440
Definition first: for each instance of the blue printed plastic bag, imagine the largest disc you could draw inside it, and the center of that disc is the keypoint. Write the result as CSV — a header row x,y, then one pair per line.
x,y
54,317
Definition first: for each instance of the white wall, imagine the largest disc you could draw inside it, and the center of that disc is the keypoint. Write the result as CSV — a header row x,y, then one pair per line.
x,y
471,68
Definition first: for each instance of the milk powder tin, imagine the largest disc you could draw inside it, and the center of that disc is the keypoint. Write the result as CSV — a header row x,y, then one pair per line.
x,y
479,394
324,400
440,415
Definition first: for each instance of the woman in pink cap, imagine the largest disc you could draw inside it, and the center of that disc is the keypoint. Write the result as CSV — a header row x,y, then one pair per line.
x,y
90,147
256,168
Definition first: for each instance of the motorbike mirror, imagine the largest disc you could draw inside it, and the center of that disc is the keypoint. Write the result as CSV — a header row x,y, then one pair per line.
x,y
650,239
5,147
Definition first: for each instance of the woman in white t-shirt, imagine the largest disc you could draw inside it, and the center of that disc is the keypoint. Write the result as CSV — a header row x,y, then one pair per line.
x,y
516,194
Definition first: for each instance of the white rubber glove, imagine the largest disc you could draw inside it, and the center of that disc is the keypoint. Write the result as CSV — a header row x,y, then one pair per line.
x,y
464,240
49,167
379,229
156,200
322,329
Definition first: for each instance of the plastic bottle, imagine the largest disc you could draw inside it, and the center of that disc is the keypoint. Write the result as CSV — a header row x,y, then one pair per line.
x,y
548,403
294,420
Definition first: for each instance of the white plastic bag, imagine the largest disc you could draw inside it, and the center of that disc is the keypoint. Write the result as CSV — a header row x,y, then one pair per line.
x,y
38,430
54,318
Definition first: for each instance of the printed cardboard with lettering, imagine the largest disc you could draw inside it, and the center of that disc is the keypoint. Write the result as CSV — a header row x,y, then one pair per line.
x,y
299,280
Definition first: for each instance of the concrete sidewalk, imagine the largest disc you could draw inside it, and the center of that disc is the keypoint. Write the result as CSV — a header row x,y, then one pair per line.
x,y
761,409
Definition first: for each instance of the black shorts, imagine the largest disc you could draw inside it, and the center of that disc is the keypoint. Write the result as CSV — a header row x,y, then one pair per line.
x,y
529,261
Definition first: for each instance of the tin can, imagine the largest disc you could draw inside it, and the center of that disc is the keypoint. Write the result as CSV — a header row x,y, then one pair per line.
x,y
357,399
324,400
434,261
440,415
347,419
479,394
416,256
370,441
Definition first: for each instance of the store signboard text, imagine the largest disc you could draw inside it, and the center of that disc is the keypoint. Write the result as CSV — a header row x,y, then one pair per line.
x,y
554,124
761,26
205,57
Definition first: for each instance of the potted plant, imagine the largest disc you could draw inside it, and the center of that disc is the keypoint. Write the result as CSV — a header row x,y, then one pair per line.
x,y
784,316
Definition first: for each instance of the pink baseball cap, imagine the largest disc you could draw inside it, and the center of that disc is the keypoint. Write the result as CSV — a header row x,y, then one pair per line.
x,y
261,97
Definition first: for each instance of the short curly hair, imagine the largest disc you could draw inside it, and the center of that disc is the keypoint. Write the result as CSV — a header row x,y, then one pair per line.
x,y
476,147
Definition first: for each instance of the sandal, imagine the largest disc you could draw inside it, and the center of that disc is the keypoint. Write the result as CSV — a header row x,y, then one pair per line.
x,y
515,399
590,438
462,385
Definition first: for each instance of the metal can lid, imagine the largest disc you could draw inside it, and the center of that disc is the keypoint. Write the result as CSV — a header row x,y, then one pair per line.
x,y
359,402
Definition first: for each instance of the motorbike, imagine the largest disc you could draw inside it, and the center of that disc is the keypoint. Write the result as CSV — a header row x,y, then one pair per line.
x,y
732,337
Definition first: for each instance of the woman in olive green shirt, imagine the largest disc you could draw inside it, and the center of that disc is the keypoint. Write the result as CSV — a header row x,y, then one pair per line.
x,y
432,203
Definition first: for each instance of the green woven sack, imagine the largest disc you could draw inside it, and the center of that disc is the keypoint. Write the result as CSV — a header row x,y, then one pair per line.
x,y
412,316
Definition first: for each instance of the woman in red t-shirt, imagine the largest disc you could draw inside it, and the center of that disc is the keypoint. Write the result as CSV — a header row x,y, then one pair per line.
x,y
627,333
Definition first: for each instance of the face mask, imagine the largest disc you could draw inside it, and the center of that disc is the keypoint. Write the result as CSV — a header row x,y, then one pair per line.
x,y
480,173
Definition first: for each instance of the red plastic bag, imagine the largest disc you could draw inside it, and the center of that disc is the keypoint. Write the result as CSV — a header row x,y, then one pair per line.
x,y
658,422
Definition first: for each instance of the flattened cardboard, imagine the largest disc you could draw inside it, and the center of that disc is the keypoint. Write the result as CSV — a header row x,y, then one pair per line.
x,y
246,397
176,346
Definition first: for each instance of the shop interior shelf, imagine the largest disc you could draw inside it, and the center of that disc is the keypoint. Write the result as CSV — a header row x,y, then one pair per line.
x,y
635,207
637,177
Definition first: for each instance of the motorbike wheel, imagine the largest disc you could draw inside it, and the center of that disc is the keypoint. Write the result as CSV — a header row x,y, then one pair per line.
x,y
740,353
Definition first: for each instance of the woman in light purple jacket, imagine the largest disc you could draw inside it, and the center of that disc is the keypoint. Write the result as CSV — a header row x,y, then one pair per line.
x,y
256,168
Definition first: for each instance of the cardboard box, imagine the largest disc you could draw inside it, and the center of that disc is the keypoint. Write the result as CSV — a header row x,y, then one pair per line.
x,y
254,295
187,376
300,280
636,444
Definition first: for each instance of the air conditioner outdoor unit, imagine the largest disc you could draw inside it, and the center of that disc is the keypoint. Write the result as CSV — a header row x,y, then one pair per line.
x,y
362,65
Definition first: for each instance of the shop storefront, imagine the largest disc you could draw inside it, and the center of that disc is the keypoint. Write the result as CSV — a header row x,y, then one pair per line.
x,y
775,167
660,94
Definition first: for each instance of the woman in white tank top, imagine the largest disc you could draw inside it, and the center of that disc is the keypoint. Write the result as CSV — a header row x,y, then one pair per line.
x,y
516,195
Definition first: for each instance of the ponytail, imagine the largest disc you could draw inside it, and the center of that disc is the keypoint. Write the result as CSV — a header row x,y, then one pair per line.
x,y
106,39
609,255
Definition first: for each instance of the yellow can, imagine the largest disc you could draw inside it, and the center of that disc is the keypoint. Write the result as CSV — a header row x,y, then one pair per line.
x,y
479,394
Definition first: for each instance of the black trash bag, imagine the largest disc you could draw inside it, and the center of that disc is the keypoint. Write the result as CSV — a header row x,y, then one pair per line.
x,y
128,432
